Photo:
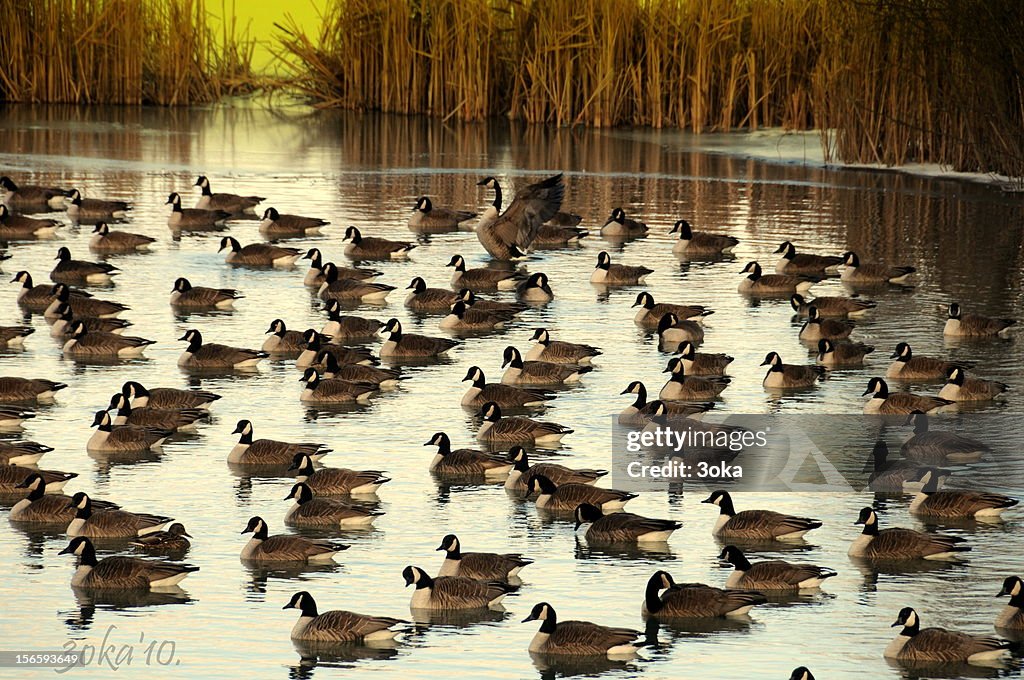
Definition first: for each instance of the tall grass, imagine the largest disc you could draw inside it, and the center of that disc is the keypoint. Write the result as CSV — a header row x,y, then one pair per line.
x,y
119,52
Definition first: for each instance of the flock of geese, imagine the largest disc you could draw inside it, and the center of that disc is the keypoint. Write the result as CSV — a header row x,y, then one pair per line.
x,y
338,367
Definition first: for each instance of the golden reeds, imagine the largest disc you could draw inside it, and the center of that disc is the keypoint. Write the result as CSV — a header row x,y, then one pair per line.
x,y
119,52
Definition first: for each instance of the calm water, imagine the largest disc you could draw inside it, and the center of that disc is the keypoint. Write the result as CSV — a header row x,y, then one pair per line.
x,y
965,240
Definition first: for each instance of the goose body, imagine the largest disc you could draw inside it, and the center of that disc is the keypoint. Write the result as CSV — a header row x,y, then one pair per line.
x,y
81,209
898,403
249,451
105,240
81,306
702,363
682,387
756,524
473,300
916,645
30,198
482,278
370,248
193,218
695,600
465,318
856,272
212,356
351,290
21,228
111,523
832,307
700,243
65,322
618,225
464,462
521,372
930,502
336,481
12,337
429,300
229,203
315,349
12,417
789,376
22,452
818,328
909,366
580,638
792,262
521,472
650,313
13,389
452,592
409,345
959,387
283,341
840,354
974,325
68,270
902,544
478,566
315,274
510,234
936,447
167,397
258,254
608,274
641,411
186,296
310,510
568,497
535,290
429,219
674,331
771,575
621,527
497,429
505,396
342,328
173,539
41,507
381,378
124,439
263,547
39,298
756,283
895,476
146,416
337,625
559,236
13,479
278,225
122,573
559,351
84,343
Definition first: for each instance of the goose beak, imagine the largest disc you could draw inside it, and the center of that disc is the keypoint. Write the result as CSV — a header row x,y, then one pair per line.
x,y
897,623
293,466
440,547
288,497
184,337
481,183
858,522
66,551
528,618
288,606
625,391
1002,593
186,534
764,363
866,392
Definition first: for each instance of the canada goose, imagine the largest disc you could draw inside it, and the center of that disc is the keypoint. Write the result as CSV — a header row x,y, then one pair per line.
x,y
902,544
315,274
559,236
891,475
700,243
478,566
336,481
65,322
30,198
403,345
426,219
931,645
79,271
231,203
930,502
84,343
898,403
372,248
516,429
621,527
755,283
831,307
936,448
695,600
336,288
521,372
682,387
1012,615
510,234
284,547
12,417
345,327
110,523
580,638
771,575
569,496
832,354
559,352
859,273
791,262
651,313
193,218
315,347
907,366
557,227
146,416
337,625
81,306
619,226
173,539
535,289
282,340
974,325
12,478
464,317
464,461
124,439
429,300
40,507
505,396
801,673
818,328
14,389
20,228
702,363
483,278
258,254
122,573
212,356
107,241
39,298
333,390
167,397
756,524
186,296
14,336
559,474
22,452
471,299
608,274
276,225
673,330
249,451
789,376
382,378
959,387
641,411
452,592
310,510
82,209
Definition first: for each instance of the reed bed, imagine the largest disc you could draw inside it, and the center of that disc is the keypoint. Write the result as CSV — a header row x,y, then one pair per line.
x,y
120,52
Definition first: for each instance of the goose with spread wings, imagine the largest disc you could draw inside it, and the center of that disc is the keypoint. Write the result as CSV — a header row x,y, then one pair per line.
x,y
513,232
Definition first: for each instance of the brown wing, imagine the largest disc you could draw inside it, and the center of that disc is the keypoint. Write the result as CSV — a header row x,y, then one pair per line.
x,y
343,626
937,644
532,206
294,548
704,601
585,638
454,592
570,496
624,527
909,544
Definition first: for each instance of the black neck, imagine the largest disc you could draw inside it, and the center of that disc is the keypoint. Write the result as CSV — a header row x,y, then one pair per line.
x,y
870,528
549,624
651,598
725,506
497,197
